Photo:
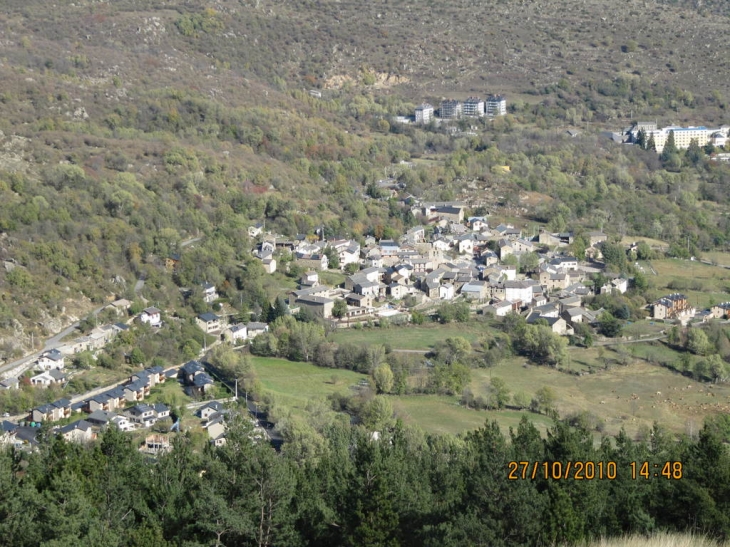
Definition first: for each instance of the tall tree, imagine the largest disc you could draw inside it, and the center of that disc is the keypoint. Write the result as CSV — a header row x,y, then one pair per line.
x,y
383,378
670,148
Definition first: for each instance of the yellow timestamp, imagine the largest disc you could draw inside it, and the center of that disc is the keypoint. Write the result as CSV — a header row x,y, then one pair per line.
x,y
588,470
647,470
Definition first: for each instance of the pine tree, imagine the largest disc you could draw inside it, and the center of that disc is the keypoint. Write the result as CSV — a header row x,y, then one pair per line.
x,y
650,144
670,148
694,152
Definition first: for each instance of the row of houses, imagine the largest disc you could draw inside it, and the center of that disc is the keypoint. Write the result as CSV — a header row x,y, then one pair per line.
x,y
108,408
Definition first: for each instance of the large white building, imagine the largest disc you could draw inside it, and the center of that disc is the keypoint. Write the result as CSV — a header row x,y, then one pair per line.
x,y
473,107
424,113
683,136
496,105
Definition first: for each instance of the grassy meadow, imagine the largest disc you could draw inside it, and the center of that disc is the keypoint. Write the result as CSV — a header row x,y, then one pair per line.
x,y
294,383
629,396
443,414
422,337
702,283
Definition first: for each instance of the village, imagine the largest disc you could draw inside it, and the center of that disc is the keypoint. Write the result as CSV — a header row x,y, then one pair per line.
x,y
452,257
448,257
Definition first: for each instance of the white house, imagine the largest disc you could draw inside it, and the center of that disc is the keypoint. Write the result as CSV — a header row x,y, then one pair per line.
x,y
209,293
348,252
122,423
51,359
478,224
518,291
142,414
151,316
500,309
237,334
564,263
47,378
446,291
441,245
496,105
256,229
466,246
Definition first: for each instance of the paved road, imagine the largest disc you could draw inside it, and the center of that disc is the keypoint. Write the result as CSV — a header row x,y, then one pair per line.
x,y
50,343
140,283
190,241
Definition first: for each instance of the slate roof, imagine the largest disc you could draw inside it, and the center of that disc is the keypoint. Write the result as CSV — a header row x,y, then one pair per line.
x,y
159,408
208,317
83,425
202,380
53,354
191,367
140,409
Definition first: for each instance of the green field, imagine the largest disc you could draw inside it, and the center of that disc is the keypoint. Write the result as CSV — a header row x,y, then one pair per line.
x,y
443,414
422,337
617,384
294,383
171,392
703,284
332,278
718,257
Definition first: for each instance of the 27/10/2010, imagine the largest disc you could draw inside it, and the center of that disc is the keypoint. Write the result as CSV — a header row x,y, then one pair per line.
x,y
580,470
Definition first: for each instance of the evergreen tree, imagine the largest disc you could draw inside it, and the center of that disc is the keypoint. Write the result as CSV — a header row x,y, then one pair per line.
x,y
694,153
279,309
650,143
670,148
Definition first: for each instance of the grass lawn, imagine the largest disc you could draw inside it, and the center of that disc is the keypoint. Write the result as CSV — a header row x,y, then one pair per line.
x,y
170,392
411,337
100,376
294,383
332,278
644,329
443,414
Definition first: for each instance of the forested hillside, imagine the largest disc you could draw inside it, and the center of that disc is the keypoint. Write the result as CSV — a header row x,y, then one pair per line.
x,y
404,489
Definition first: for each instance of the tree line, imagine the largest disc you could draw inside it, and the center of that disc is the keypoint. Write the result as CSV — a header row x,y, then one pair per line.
x,y
399,488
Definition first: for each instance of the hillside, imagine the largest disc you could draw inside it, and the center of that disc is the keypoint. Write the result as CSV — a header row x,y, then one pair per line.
x,y
129,127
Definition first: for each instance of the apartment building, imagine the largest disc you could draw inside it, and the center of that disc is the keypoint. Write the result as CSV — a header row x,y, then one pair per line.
x,y
473,107
496,105
424,113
